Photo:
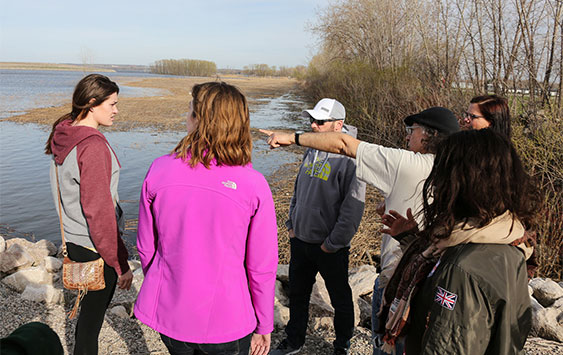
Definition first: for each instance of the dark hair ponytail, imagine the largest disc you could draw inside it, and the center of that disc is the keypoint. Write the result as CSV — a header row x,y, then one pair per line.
x,y
90,92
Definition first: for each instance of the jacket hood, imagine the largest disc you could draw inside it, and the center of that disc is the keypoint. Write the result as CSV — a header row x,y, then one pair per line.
x,y
350,130
66,137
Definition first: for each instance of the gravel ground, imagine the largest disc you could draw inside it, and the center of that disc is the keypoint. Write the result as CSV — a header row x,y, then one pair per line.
x,y
129,336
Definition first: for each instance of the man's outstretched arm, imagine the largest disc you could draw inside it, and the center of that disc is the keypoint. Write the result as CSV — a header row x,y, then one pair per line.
x,y
333,142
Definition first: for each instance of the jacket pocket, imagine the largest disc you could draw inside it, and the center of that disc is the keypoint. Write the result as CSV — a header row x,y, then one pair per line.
x,y
309,222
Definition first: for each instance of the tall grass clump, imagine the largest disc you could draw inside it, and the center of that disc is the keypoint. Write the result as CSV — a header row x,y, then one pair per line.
x,y
539,140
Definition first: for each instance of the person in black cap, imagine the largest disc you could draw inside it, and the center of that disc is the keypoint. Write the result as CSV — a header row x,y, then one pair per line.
x,y
398,174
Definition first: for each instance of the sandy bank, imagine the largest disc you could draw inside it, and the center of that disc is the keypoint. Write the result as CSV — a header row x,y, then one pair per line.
x,y
167,111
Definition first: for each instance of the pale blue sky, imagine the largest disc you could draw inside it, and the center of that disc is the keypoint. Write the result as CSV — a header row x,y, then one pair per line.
x,y
230,33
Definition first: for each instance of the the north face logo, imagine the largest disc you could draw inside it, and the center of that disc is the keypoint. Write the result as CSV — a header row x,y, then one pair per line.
x,y
230,184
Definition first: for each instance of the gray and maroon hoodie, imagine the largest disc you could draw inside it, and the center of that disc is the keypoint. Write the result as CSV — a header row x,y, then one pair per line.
x,y
88,178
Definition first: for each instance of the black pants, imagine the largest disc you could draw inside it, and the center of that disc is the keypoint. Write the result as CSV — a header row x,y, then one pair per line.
x,y
236,347
306,260
93,306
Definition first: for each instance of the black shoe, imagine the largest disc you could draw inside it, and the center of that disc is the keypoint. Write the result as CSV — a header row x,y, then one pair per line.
x,y
341,351
285,348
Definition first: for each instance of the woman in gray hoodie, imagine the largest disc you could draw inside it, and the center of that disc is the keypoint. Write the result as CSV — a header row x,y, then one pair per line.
x,y
88,174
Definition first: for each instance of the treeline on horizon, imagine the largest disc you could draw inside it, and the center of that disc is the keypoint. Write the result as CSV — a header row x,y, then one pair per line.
x,y
385,59
194,67
184,67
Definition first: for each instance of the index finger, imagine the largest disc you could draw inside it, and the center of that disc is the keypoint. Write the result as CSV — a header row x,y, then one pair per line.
x,y
265,131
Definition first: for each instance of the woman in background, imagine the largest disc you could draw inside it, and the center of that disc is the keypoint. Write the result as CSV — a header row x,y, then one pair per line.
x,y
488,111
88,172
461,286
207,235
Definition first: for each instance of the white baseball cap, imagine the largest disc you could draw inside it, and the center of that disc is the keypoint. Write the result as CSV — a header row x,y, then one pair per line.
x,y
326,109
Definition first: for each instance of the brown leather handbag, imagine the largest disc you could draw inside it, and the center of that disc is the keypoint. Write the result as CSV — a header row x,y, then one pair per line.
x,y
81,276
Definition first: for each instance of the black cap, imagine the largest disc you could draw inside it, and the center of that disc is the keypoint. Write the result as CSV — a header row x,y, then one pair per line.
x,y
438,118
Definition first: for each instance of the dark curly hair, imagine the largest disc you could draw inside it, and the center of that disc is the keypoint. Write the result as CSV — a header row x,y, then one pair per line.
x,y
476,174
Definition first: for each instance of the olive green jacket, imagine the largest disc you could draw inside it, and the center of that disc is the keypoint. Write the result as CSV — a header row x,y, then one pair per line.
x,y
476,301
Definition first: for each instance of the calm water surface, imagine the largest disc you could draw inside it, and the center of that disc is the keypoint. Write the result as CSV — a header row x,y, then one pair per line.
x,y
23,90
26,203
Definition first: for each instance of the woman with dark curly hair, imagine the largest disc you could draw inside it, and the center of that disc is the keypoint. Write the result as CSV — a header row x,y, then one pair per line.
x,y
461,286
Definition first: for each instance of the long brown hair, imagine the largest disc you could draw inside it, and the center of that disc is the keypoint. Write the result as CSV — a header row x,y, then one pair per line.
x,y
90,92
495,110
476,174
222,130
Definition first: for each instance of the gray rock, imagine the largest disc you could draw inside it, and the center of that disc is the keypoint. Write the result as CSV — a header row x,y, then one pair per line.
x,y
546,323
321,299
319,296
38,250
322,322
43,293
536,306
362,281
21,241
15,257
281,315
280,294
283,273
530,291
52,264
134,265
44,244
2,244
19,280
120,311
546,291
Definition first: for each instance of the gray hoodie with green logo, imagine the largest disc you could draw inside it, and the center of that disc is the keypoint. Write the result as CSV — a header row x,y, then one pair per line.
x,y
328,200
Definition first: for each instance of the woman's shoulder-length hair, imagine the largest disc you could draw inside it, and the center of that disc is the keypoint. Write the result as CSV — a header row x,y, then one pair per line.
x,y
222,132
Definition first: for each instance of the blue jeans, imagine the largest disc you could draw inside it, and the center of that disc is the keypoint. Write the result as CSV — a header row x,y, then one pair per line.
x,y
306,261
376,299
236,347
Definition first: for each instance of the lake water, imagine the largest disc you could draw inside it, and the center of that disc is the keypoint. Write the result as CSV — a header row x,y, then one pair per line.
x,y
23,90
26,204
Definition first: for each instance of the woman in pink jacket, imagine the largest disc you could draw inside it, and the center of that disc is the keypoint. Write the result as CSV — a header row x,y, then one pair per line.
x,y
207,235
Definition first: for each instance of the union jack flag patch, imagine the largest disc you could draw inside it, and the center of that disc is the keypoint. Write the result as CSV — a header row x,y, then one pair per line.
x,y
445,298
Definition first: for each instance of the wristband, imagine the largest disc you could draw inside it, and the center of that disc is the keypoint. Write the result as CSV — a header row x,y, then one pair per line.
x,y
296,138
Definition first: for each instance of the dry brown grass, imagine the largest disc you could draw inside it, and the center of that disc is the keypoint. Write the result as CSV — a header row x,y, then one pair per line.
x,y
366,242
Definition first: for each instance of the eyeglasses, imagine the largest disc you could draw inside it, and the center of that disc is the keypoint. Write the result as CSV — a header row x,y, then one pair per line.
x,y
411,129
471,116
319,122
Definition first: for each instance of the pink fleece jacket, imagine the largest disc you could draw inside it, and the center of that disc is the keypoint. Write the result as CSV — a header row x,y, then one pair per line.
x,y
207,239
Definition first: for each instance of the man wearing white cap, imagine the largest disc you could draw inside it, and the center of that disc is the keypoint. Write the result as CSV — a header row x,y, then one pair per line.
x,y
398,174
324,214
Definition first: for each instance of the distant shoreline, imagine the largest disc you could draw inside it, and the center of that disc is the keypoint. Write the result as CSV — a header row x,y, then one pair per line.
x,y
52,66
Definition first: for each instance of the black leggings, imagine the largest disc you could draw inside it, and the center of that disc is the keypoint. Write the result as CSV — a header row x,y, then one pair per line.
x,y
93,306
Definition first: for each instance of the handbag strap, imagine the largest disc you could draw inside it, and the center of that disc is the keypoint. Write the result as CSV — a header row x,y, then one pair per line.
x,y
65,254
